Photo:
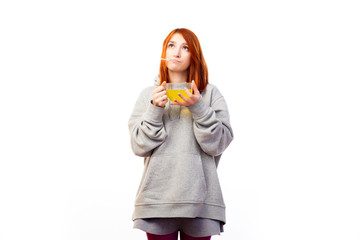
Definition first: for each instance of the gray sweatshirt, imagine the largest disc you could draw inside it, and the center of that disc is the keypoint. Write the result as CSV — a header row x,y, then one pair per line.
x,y
181,147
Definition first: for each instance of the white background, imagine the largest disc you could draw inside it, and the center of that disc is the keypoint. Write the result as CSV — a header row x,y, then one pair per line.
x,y
71,71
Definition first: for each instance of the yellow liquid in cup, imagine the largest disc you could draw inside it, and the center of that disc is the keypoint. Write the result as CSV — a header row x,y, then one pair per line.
x,y
173,94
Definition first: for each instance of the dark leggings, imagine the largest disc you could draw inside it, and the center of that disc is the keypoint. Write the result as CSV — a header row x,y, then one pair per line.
x,y
173,236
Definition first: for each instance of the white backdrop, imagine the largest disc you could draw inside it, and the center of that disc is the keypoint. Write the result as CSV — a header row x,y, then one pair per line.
x,y
70,74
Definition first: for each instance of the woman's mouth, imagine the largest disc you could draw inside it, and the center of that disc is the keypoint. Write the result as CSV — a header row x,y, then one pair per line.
x,y
175,61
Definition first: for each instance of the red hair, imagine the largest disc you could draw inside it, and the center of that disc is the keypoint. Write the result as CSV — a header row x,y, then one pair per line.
x,y
198,70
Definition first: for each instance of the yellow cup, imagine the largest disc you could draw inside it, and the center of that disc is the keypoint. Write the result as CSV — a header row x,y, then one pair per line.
x,y
173,90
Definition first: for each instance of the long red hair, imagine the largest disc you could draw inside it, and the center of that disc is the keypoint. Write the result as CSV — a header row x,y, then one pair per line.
x,y
198,70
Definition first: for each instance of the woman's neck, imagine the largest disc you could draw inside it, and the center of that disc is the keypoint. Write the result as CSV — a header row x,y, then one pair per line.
x,y
178,77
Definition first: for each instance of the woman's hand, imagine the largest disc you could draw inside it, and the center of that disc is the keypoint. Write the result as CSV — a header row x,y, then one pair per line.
x,y
159,96
193,98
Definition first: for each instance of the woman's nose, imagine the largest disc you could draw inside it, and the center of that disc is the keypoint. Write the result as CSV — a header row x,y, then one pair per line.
x,y
177,52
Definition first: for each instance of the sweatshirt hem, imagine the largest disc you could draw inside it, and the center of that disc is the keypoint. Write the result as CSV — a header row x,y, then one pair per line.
x,y
171,210
164,203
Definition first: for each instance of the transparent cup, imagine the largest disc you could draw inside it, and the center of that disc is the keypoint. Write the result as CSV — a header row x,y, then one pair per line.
x,y
173,90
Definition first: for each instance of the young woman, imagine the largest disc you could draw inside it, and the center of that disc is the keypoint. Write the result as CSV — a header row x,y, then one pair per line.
x,y
181,142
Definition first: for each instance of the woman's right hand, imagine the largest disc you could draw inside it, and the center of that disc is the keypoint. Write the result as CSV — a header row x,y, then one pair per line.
x,y
159,96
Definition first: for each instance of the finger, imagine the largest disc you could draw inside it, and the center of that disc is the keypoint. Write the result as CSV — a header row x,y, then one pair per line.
x,y
194,87
161,101
159,89
159,94
188,92
177,102
183,98
158,97
163,104
163,86
164,98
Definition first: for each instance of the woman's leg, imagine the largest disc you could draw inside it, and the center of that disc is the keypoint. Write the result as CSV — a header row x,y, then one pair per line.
x,y
171,236
183,236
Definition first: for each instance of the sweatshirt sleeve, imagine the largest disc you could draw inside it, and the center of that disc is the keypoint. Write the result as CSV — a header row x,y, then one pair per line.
x,y
146,127
212,127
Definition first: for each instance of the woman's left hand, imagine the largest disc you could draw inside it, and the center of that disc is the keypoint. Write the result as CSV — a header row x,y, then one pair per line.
x,y
193,98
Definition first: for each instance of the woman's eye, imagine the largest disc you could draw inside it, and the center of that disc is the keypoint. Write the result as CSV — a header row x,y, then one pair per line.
x,y
186,48
171,45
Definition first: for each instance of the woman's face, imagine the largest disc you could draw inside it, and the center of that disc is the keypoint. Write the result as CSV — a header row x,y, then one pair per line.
x,y
178,53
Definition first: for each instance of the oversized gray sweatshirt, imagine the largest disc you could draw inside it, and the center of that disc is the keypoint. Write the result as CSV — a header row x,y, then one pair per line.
x,y
181,147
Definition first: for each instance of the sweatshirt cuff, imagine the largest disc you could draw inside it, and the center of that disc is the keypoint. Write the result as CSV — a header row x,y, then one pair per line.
x,y
154,113
199,109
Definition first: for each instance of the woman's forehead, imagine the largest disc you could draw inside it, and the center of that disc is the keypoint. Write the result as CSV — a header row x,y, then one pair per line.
x,y
177,38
